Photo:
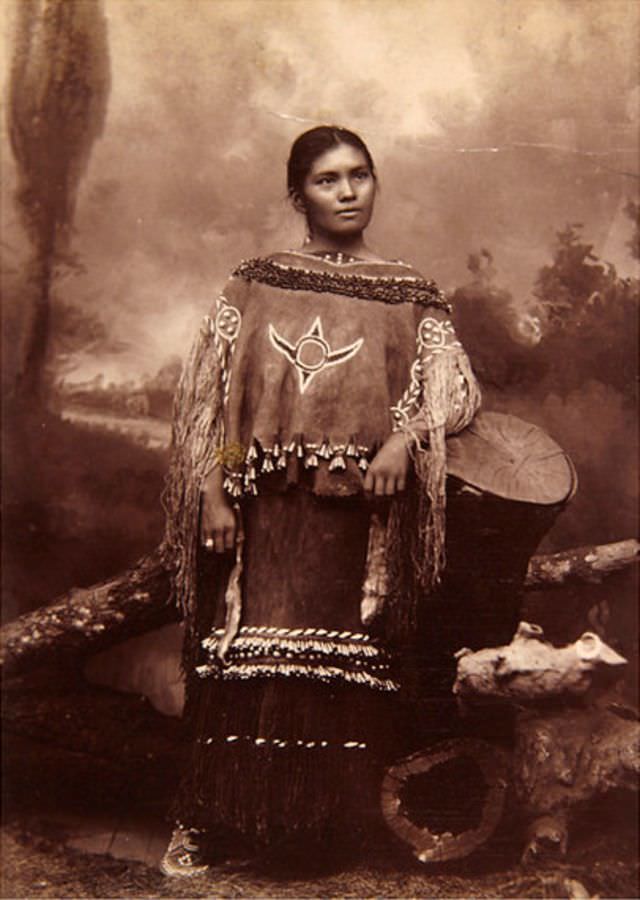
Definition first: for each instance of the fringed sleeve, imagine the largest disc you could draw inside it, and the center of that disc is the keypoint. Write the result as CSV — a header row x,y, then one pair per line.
x,y
197,439
448,397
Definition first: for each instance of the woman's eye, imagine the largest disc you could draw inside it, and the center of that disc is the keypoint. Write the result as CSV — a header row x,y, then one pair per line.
x,y
326,179
362,176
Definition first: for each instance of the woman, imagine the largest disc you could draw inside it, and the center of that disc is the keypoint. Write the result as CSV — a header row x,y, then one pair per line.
x,y
314,402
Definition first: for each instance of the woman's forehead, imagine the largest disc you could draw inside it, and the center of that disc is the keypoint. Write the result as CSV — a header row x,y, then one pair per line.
x,y
342,156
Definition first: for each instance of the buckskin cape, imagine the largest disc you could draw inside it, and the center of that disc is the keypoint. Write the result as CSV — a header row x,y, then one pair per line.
x,y
308,364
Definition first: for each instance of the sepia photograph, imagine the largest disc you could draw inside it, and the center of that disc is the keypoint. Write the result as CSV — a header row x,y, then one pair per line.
x,y
320,358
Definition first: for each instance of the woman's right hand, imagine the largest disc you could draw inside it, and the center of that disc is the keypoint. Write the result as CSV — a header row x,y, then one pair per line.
x,y
218,525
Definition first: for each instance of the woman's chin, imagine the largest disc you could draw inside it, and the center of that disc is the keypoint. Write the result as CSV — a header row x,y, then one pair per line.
x,y
349,231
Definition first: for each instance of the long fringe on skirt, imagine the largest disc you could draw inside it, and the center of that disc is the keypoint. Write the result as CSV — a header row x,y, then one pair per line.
x,y
280,758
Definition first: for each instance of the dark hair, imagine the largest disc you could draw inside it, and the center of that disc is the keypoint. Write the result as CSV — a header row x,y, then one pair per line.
x,y
308,146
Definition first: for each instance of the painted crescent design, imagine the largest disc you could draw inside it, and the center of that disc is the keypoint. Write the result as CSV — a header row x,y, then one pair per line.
x,y
311,353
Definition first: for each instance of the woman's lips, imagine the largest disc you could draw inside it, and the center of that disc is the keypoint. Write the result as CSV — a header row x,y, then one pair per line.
x,y
348,213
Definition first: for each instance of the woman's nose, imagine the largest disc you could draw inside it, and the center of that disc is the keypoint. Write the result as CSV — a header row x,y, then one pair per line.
x,y
347,191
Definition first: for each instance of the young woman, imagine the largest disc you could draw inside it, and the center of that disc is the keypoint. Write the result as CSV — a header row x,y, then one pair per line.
x,y
307,478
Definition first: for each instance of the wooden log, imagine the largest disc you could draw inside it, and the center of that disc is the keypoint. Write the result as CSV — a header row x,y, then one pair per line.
x,y
564,758
86,620
69,741
429,843
573,740
530,669
589,564
89,619
573,743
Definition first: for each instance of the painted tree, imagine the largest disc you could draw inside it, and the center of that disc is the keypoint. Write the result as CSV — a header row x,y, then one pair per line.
x,y
58,92
632,209
498,334
591,316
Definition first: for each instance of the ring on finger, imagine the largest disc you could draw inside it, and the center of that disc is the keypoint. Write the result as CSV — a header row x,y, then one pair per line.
x,y
208,544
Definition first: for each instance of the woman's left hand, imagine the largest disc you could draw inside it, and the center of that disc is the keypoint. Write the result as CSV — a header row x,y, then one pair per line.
x,y
387,473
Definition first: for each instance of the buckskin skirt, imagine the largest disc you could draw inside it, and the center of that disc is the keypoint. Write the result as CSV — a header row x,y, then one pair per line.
x,y
291,735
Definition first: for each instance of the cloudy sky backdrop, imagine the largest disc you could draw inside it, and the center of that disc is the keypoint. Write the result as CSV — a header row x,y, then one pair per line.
x,y
493,124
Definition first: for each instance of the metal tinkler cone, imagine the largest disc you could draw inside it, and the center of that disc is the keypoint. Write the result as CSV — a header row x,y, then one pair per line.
x,y
311,461
351,450
233,486
363,465
252,453
337,463
325,449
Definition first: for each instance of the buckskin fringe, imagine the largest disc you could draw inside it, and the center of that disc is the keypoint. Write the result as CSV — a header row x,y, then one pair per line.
x,y
375,585
233,594
196,438
450,399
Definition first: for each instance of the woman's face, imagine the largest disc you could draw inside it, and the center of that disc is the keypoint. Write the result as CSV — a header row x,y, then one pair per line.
x,y
339,193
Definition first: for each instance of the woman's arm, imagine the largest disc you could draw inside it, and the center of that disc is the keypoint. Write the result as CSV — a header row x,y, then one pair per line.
x,y
443,397
193,498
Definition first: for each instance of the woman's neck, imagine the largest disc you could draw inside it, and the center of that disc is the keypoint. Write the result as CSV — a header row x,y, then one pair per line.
x,y
352,246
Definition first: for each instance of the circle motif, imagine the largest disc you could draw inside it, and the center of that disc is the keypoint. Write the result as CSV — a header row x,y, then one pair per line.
x,y
228,321
311,353
432,333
